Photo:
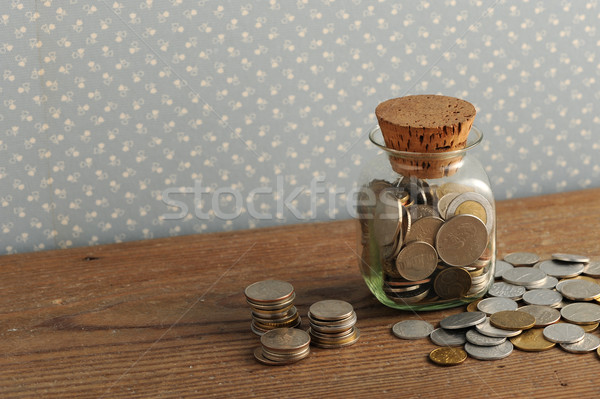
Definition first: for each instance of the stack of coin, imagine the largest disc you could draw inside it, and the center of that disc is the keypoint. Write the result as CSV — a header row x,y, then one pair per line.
x,y
272,304
332,324
282,346
429,244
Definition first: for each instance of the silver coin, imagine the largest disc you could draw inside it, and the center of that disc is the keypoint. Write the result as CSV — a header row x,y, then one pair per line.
x,y
581,313
478,198
330,309
542,297
476,338
570,258
461,240
522,258
493,305
561,270
489,352
563,333
589,343
443,203
412,329
486,328
592,269
462,320
580,290
386,220
506,290
524,276
544,315
501,267
442,337
268,291
549,283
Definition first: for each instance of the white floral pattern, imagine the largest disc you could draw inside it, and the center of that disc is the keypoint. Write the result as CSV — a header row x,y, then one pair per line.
x,y
105,104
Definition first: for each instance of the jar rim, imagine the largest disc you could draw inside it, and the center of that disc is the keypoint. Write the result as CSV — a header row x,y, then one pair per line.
x,y
475,137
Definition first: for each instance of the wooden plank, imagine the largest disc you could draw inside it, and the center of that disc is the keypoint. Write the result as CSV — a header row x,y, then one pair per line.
x,y
168,318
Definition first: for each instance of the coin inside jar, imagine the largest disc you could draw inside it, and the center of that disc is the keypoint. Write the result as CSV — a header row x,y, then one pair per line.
x,y
461,240
416,261
452,283
475,204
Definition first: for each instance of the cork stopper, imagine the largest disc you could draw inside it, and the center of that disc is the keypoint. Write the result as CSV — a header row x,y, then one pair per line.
x,y
425,124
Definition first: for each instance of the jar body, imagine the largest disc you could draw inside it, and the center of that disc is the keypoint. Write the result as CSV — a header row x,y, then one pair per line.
x,y
427,228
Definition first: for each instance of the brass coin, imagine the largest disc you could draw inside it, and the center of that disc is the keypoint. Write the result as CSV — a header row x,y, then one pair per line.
x,y
512,320
588,328
417,261
532,341
461,240
472,208
425,229
452,283
448,356
472,307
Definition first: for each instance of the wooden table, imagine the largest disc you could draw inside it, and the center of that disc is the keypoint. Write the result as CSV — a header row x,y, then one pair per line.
x,y
168,318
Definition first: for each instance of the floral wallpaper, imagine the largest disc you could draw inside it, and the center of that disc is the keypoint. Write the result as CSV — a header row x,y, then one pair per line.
x,y
127,120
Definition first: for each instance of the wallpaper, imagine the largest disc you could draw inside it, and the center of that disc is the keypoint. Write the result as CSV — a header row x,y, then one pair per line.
x,y
127,120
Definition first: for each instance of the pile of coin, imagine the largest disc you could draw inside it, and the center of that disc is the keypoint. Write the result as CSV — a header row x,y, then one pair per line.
x,y
332,324
425,243
272,304
283,346
493,326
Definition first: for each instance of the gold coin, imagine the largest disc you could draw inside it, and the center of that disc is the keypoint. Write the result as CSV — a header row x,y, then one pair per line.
x,y
472,307
448,356
452,283
532,341
512,320
589,327
587,278
472,208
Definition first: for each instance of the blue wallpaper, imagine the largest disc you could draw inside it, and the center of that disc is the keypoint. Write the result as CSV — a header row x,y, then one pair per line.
x,y
130,120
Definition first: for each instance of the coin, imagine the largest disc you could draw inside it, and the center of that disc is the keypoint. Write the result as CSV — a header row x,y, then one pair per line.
x,y
443,203
476,338
285,339
418,260
512,320
524,276
506,290
475,204
532,341
386,221
452,283
269,291
408,297
442,337
461,240
425,229
448,356
259,355
543,297
592,269
558,269
472,307
580,290
462,320
589,327
581,313
549,282
330,309
563,333
572,258
501,267
544,315
489,352
522,258
412,329
486,328
589,343
493,305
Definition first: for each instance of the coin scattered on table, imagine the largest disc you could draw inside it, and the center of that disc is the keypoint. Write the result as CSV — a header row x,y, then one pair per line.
x,y
492,305
476,338
587,344
412,329
580,290
486,328
544,315
522,259
512,320
442,337
489,352
501,267
448,356
543,297
506,290
462,320
581,313
592,269
532,341
525,276
572,258
563,333
561,269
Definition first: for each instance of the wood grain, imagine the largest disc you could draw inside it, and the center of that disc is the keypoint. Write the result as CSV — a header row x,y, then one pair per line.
x,y
167,317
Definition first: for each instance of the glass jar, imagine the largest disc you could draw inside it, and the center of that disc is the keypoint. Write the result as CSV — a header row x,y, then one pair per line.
x,y
427,227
